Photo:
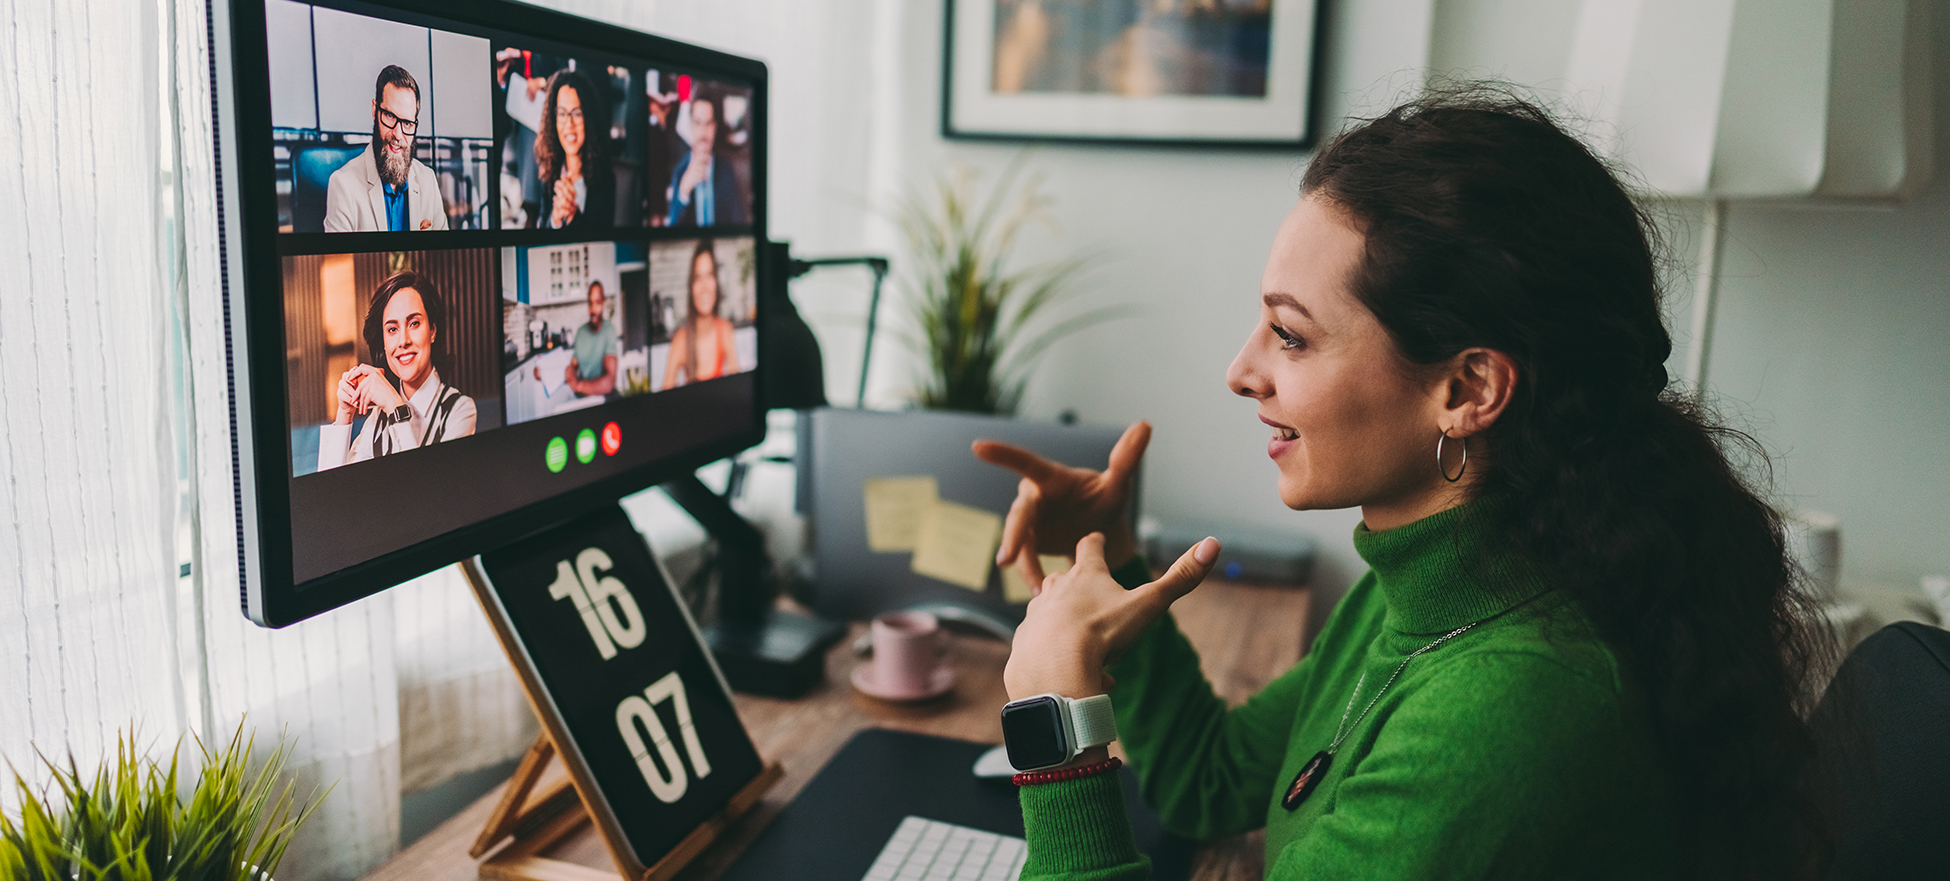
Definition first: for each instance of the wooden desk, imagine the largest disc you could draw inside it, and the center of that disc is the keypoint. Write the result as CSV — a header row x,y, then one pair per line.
x,y
1245,636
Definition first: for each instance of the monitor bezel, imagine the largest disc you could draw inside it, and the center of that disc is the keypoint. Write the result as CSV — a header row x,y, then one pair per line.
x,y
248,253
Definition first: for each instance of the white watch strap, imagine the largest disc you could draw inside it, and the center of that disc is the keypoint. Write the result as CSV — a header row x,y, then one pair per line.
x,y
1093,721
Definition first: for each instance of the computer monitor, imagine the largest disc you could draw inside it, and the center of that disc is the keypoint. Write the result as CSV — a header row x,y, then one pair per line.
x,y
486,266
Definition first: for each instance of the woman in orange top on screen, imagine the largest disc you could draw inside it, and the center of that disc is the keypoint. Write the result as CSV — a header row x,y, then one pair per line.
x,y
702,348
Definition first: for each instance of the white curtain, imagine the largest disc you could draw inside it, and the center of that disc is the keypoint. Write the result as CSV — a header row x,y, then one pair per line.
x,y
115,457
87,514
115,461
460,705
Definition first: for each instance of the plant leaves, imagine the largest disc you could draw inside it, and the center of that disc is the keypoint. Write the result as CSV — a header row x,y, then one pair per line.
x,y
129,822
982,328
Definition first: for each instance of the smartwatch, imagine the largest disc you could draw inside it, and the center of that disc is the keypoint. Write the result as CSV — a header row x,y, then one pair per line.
x,y
1046,730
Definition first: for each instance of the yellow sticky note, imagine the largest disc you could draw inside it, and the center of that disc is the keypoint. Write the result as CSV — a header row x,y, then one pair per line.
x,y
956,544
1016,590
894,508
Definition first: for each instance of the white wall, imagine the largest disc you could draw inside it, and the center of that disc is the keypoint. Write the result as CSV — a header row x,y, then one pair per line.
x,y
1827,347
1184,234
1833,345
1830,342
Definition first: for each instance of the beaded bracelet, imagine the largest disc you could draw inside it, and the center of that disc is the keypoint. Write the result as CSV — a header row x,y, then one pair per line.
x,y
1058,775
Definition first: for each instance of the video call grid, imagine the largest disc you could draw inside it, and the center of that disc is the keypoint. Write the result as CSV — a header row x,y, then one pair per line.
x,y
639,127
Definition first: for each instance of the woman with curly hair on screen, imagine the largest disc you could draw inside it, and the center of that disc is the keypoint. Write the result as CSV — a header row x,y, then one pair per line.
x,y
572,158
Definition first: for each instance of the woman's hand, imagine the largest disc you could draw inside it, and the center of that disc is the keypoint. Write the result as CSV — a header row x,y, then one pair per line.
x,y
1083,618
695,173
374,390
564,207
1057,505
351,400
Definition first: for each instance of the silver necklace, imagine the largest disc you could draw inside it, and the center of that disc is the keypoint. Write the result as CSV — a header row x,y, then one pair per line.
x,y
1316,768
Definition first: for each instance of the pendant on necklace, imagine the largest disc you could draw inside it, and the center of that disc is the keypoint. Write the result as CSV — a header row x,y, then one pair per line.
x,y
1307,780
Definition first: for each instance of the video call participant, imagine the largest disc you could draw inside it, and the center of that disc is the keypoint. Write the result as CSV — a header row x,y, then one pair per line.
x,y
1580,650
703,348
703,190
385,189
405,403
663,145
593,369
578,184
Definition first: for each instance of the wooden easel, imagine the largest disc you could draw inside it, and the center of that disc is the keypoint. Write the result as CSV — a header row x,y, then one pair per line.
x,y
538,823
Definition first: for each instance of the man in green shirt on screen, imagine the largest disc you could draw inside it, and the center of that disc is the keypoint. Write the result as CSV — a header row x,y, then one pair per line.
x,y
593,369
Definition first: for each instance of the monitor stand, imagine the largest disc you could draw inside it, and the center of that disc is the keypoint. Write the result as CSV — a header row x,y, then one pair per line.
x,y
762,649
535,821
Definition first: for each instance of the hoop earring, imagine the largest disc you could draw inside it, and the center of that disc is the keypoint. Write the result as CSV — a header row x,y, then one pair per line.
x,y
1444,471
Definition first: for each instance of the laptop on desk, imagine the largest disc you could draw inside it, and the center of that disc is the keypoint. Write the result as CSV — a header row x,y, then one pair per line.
x,y
892,805
840,450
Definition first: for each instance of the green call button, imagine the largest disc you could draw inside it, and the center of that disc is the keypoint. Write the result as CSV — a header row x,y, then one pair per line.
x,y
586,446
558,454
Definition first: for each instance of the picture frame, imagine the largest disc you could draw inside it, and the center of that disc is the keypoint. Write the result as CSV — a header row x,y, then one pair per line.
x,y
1219,73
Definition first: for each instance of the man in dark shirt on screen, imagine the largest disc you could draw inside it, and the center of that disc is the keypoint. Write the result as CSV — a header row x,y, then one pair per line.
x,y
703,189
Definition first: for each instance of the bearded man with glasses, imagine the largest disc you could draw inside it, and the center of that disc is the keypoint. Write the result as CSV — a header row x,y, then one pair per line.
x,y
385,189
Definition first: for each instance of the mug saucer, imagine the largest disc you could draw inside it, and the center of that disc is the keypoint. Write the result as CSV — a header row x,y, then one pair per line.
x,y
938,683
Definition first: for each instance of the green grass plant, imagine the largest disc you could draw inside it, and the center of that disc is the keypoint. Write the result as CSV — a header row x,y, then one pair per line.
x,y
130,822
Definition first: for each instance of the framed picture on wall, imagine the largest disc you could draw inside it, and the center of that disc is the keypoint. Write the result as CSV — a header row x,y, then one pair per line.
x,y
1187,72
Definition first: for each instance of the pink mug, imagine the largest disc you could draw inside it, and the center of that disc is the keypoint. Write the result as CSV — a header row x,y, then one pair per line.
x,y
908,647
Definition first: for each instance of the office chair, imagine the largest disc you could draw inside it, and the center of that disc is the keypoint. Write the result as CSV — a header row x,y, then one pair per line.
x,y
1884,730
314,167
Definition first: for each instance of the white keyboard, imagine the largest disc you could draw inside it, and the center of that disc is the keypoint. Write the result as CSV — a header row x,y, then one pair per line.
x,y
929,850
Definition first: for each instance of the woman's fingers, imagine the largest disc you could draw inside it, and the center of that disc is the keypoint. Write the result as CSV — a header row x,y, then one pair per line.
x,y
1016,459
1185,573
1129,451
1020,523
1090,554
1031,568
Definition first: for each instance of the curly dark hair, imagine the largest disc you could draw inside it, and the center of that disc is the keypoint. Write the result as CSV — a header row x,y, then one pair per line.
x,y
549,157
1488,225
375,327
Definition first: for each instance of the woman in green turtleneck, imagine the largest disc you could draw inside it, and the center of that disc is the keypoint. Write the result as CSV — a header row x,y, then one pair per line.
x,y
1579,649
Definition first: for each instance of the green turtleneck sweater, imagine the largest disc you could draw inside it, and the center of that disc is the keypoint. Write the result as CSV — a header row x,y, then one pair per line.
x,y
1518,749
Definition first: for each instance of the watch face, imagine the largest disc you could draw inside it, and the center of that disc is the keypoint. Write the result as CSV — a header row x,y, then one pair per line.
x,y
1033,731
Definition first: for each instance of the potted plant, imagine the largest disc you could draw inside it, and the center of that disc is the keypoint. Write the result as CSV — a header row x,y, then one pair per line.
x,y
130,823
983,323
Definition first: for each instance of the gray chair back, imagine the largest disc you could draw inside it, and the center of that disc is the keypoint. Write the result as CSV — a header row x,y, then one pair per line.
x,y
1884,728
